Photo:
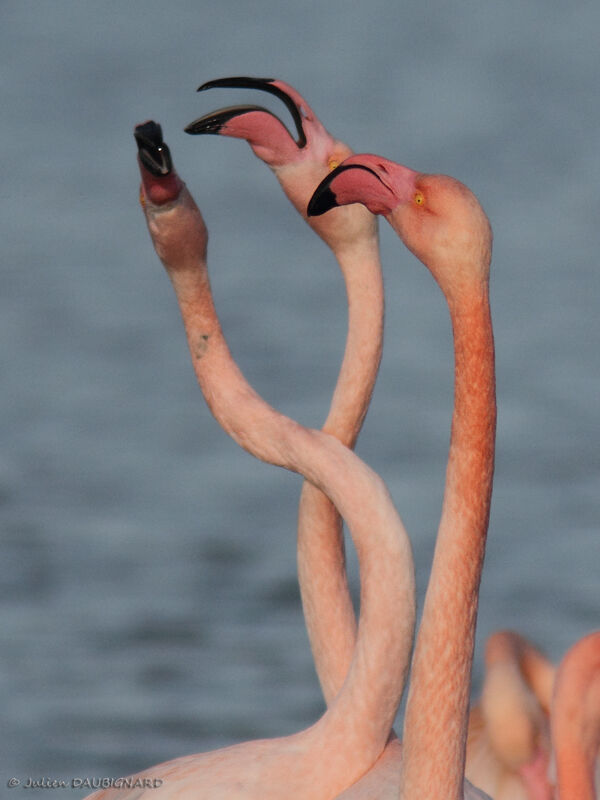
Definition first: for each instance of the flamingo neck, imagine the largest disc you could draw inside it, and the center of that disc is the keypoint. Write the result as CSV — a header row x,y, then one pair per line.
x,y
575,774
326,599
435,727
576,720
357,724
361,269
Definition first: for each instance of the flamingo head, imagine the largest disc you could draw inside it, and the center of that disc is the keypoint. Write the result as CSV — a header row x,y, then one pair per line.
x,y
160,183
299,162
438,218
174,220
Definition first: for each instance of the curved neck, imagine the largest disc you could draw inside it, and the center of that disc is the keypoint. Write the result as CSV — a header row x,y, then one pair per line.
x,y
435,724
322,576
360,718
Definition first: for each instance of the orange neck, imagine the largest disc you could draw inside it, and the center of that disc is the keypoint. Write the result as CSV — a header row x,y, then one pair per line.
x,y
575,774
436,718
576,719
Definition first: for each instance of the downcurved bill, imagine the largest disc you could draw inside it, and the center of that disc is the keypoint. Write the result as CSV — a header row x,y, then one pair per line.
x,y
363,179
215,121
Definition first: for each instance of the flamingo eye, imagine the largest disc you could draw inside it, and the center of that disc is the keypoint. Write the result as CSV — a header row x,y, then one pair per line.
x,y
332,164
419,198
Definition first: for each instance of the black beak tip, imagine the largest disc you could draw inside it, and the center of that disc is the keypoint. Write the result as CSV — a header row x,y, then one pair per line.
x,y
214,122
322,200
204,125
192,128
153,151
148,133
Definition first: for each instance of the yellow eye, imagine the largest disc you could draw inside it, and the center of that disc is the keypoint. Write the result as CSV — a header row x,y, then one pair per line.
x,y
332,164
419,199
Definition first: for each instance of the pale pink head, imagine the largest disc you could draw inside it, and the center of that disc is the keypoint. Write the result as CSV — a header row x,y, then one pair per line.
x,y
179,237
438,218
300,162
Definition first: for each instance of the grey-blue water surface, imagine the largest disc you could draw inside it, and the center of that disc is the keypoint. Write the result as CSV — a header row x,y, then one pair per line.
x,y
148,578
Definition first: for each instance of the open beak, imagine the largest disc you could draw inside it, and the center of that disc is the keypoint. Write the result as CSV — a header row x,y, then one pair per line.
x,y
213,122
153,152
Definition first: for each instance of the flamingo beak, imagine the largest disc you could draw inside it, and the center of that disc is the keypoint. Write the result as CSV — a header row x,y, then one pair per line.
x,y
153,152
216,120
212,123
325,197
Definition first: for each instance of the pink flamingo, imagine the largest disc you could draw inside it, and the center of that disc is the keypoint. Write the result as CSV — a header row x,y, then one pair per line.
x,y
442,223
575,721
508,745
330,755
351,233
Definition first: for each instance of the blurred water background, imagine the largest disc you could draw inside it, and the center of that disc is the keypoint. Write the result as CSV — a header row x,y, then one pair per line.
x,y
148,577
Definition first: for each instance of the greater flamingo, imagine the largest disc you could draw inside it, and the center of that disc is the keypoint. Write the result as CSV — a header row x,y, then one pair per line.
x,y
330,755
442,223
508,745
351,233
575,721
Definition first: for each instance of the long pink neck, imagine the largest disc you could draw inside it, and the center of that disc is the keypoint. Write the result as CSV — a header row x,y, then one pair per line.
x,y
576,720
435,725
326,600
357,724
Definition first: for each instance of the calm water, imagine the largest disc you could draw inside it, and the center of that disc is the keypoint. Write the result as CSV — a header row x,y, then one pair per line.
x,y
150,605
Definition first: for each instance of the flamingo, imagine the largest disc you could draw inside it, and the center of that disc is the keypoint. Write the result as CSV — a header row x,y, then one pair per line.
x,y
443,224
508,744
299,165
330,755
575,721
